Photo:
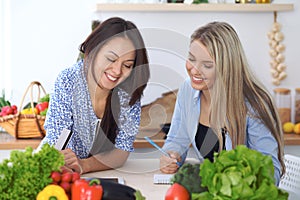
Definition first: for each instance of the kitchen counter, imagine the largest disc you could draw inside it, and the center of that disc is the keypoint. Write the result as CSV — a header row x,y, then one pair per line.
x,y
9,142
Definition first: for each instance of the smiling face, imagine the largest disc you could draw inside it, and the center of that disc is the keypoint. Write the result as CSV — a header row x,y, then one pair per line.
x,y
114,62
200,67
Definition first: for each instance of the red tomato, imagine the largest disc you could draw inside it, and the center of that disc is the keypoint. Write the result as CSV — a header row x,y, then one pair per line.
x,y
66,186
66,177
14,107
75,176
177,192
6,110
42,106
56,176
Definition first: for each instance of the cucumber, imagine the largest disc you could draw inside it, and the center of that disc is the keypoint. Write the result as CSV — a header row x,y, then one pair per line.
x,y
28,105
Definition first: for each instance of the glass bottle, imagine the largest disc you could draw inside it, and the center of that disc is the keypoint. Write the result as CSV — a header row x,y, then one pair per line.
x,y
283,102
297,105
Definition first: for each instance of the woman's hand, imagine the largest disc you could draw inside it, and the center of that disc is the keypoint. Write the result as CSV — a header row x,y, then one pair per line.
x,y
72,163
169,165
99,162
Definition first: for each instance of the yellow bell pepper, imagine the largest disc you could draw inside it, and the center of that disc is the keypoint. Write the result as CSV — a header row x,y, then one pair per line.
x,y
52,192
30,111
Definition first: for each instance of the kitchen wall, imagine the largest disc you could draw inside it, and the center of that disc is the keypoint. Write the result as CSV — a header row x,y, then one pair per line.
x,y
167,35
43,36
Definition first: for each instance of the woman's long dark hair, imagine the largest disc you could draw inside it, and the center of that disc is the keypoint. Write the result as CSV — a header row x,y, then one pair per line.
x,y
135,84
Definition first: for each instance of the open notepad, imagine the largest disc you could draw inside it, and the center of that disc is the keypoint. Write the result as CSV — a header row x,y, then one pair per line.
x,y
162,178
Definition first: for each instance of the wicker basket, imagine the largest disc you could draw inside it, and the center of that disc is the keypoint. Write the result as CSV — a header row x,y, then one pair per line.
x,y
25,125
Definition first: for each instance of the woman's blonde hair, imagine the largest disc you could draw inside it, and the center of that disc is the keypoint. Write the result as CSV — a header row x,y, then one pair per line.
x,y
236,90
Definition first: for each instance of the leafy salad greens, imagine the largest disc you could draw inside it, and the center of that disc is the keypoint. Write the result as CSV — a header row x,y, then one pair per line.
x,y
26,173
241,173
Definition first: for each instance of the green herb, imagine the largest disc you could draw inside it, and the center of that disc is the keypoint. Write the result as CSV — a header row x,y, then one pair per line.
x,y
241,173
138,195
188,176
199,1
45,98
26,173
44,112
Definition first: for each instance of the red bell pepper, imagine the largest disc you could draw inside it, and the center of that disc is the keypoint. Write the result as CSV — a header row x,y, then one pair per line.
x,y
86,190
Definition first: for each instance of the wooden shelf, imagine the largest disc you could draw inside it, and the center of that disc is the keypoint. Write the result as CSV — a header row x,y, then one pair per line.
x,y
204,7
8,142
145,144
291,139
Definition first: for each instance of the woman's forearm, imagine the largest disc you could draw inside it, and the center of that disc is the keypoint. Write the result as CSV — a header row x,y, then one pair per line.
x,y
104,161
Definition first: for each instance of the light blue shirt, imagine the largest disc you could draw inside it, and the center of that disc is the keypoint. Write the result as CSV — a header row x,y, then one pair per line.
x,y
71,108
186,119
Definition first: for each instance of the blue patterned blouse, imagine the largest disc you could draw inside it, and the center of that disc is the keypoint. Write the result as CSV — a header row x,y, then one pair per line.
x,y
70,107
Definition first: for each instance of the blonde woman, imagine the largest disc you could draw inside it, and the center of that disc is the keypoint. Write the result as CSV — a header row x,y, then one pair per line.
x,y
221,104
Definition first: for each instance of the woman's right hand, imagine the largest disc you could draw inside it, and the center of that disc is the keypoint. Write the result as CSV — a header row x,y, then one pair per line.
x,y
71,161
168,165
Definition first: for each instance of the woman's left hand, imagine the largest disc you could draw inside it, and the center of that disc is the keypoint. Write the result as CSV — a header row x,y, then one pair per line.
x,y
71,161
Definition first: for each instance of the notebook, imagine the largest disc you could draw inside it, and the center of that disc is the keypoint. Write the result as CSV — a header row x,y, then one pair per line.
x,y
162,178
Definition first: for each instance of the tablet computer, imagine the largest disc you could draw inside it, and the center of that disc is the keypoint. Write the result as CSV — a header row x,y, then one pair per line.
x,y
112,179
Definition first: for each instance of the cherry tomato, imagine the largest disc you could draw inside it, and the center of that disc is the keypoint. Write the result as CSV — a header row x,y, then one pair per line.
x,y
66,177
66,186
75,176
56,176
177,192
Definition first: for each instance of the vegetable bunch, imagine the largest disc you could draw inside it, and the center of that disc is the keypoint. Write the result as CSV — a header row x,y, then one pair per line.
x,y
5,106
3,101
43,104
188,176
26,173
8,110
241,173
200,1
65,179
40,107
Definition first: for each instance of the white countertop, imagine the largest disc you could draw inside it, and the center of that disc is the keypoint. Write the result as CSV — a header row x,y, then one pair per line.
x,y
138,172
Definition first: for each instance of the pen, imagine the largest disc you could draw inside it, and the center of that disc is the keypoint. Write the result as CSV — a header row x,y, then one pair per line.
x,y
158,148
